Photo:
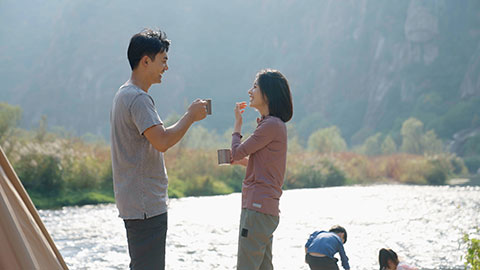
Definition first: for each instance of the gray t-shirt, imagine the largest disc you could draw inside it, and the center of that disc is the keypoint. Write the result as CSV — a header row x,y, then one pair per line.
x,y
140,178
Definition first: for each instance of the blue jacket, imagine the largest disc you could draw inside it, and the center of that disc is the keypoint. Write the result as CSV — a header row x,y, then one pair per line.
x,y
327,243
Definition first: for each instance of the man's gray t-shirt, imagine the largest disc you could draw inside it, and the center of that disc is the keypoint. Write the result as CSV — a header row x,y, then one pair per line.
x,y
139,176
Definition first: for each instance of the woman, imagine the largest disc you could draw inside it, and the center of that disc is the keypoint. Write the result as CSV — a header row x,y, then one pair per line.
x,y
388,260
265,155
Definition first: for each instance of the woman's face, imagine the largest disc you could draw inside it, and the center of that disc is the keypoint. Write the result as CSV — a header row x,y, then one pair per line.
x,y
257,100
392,265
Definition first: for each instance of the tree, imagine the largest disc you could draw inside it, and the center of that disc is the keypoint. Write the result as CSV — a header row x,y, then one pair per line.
x,y
327,140
389,146
41,131
412,135
9,117
431,144
415,141
372,145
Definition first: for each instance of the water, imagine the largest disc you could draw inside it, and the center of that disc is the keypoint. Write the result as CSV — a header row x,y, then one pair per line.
x,y
423,224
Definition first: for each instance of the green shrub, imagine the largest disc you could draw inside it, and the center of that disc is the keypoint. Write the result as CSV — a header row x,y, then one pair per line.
x,y
322,174
9,117
473,253
85,198
206,186
83,173
176,187
40,172
412,171
435,174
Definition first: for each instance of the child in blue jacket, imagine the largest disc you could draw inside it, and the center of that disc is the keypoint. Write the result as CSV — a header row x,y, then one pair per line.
x,y
322,246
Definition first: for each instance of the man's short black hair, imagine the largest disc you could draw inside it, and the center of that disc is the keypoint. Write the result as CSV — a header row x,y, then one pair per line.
x,y
148,42
339,229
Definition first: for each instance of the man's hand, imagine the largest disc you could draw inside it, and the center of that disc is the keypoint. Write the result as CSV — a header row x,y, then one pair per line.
x,y
197,110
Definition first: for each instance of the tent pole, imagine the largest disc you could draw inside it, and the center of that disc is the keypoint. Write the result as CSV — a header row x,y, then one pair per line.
x,y
7,167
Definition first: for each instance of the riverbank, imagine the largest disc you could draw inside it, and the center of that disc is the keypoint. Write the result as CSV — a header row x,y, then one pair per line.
x,y
72,198
80,198
60,172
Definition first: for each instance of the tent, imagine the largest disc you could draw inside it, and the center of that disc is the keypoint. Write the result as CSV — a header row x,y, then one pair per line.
x,y
24,240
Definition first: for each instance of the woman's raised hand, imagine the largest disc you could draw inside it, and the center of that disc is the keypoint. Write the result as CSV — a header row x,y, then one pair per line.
x,y
239,109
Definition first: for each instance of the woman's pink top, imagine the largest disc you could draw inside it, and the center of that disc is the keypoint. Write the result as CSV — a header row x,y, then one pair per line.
x,y
267,151
402,266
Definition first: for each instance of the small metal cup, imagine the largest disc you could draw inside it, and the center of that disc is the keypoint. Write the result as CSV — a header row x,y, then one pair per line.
x,y
209,106
224,156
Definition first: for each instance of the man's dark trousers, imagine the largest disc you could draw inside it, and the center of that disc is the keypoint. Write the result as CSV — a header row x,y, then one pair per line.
x,y
146,242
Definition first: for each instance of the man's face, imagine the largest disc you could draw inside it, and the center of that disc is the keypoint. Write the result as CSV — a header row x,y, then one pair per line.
x,y
158,66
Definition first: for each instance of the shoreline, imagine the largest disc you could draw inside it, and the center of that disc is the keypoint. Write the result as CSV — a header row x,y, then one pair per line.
x,y
94,197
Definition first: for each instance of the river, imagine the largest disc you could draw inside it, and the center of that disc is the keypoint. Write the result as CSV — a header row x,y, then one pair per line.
x,y
423,224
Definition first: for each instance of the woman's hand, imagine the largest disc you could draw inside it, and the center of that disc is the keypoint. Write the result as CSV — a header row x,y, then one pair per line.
x,y
243,162
239,109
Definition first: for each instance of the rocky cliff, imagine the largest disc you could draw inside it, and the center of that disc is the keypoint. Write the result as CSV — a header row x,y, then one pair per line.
x,y
364,66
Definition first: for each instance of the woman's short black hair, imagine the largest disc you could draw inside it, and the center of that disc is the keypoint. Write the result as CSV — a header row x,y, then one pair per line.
x,y
148,42
339,229
274,87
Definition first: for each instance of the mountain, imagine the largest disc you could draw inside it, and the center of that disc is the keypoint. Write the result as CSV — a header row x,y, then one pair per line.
x,y
364,66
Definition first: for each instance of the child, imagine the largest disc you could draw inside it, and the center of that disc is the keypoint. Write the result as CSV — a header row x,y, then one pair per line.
x,y
322,246
388,260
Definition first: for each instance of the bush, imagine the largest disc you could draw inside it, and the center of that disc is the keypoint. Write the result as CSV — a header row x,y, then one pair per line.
x,y
40,172
473,253
9,117
322,174
435,174
83,173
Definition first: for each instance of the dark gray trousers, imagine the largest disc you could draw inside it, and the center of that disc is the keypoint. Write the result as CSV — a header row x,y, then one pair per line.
x,y
146,242
321,263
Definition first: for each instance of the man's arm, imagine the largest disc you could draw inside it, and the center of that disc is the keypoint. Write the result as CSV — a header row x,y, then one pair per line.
x,y
163,138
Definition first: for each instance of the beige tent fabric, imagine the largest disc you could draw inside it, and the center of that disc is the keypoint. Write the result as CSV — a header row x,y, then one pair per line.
x,y
25,243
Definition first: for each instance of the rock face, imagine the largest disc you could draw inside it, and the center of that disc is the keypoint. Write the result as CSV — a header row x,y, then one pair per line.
x,y
459,139
471,82
421,25
419,48
364,66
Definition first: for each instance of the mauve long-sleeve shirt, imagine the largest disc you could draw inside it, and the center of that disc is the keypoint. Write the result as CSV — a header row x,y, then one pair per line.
x,y
267,151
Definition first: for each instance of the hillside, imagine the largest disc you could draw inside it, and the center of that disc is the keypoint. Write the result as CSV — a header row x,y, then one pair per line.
x,y
364,66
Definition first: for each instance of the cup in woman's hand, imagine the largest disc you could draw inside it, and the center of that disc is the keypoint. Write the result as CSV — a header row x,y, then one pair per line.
x,y
224,156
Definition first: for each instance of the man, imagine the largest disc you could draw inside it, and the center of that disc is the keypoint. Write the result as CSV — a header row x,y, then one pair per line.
x,y
139,139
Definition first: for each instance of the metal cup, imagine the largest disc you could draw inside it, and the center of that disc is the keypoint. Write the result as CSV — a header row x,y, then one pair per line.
x,y
209,106
224,156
